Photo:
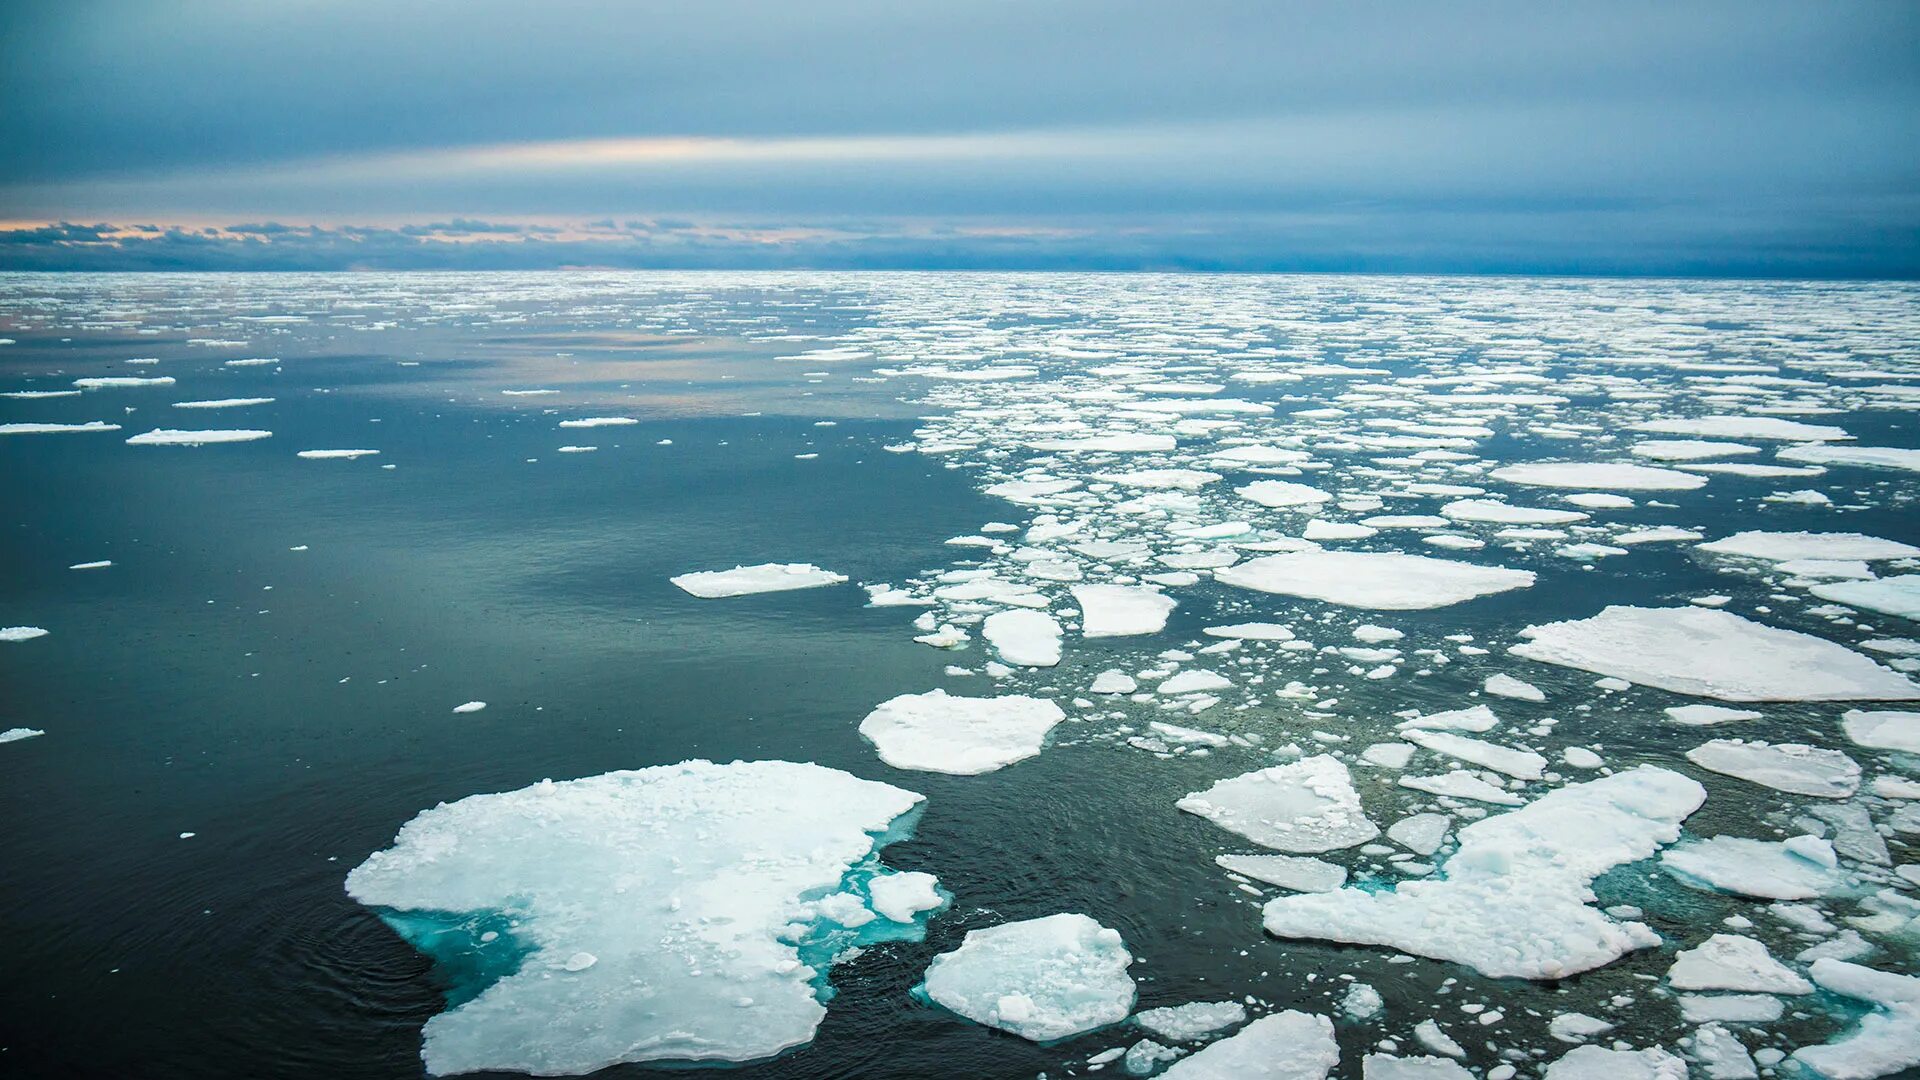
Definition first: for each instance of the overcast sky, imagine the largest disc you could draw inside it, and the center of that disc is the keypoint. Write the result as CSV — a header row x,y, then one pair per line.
x,y
1699,137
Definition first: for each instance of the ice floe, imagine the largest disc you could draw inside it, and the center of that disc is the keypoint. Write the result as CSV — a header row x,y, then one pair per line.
x,y
1791,767
1122,610
1283,1046
177,437
1605,476
1026,638
1516,899
683,883
763,578
1383,580
939,732
1712,653
1307,806
1041,979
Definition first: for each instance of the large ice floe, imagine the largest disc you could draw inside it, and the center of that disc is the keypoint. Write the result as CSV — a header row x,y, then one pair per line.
x,y
1287,1045
678,913
938,732
1516,899
1041,979
747,580
1597,476
1379,580
1712,653
1304,807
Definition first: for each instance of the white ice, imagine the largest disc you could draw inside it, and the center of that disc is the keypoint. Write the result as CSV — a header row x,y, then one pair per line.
x,y
1885,730
1761,868
1886,1041
965,736
679,881
1041,979
1122,610
1379,580
1283,1046
1605,476
1712,653
1516,898
1791,767
1307,806
1195,1020
1603,1063
1026,638
1788,546
1732,962
177,437
763,578
1891,595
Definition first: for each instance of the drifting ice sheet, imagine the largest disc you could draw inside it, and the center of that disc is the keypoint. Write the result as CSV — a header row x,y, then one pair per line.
x,y
1285,1046
1709,653
1307,806
1379,580
677,883
966,736
746,580
1516,898
1041,979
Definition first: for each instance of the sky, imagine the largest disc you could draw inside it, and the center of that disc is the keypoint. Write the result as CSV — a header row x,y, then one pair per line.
x,y
1754,138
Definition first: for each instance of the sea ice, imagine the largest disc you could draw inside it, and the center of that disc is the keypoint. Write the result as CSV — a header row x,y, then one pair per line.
x,y
1898,595
1883,730
1791,767
1380,580
1732,962
1196,1020
327,455
763,578
1516,898
1499,513
56,429
1522,764
1744,427
1122,610
1788,546
18,733
1886,1040
1283,1046
1506,686
1303,807
21,633
1704,715
1281,494
682,881
176,437
937,732
1041,979
1712,653
1602,1063
1300,873
1026,638
1761,868
1583,475
1872,457
1388,1067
